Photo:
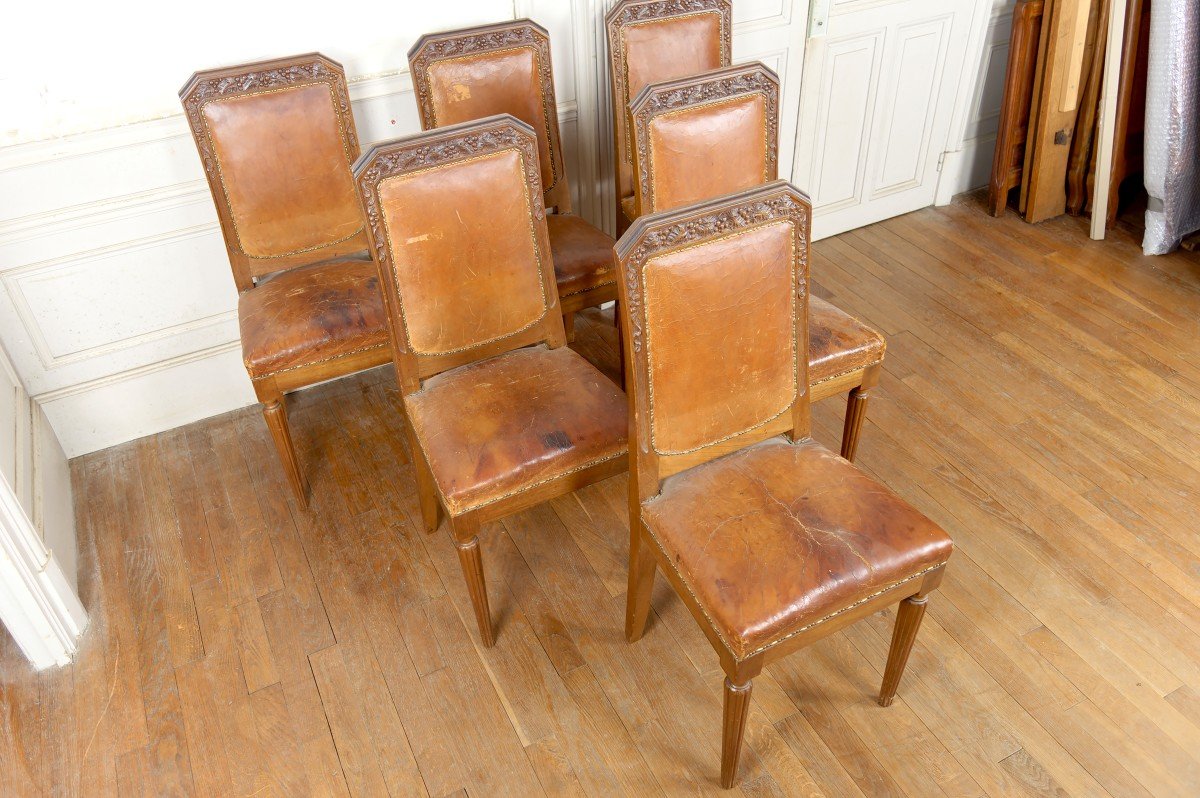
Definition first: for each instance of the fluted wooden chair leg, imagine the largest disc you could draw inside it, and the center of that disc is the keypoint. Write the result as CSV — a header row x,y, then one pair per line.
x,y
276,417
908,621
737,707
856,411
466,539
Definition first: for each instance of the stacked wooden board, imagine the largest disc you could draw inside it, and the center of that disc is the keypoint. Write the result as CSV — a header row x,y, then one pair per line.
x,y
1045,145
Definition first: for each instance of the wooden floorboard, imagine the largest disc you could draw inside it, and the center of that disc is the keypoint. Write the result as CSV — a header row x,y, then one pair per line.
x,y
1040,400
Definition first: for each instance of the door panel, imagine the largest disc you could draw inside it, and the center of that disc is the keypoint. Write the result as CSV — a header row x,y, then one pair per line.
x,y
875,108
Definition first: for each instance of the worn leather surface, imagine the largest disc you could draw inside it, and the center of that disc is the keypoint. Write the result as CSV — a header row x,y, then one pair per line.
x,y
311,314
285,170
583,254
660,50
778,536
478,86
706,151
504,425
719,327
838,342
463,241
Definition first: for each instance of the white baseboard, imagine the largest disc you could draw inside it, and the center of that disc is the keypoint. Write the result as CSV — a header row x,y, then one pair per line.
x,y
146,401
966,169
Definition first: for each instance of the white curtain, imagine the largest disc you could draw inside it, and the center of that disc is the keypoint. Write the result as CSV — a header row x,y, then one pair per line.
x,y
1172,155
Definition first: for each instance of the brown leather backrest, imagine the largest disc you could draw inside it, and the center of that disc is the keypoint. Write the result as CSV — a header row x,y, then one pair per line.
x,y
717,323
704,136
277,140
650,41
458,230
494,69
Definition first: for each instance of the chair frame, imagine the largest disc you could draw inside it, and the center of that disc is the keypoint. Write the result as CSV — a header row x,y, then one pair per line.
x,y
712,88
669,231
517,34
251,79
627,13
445,147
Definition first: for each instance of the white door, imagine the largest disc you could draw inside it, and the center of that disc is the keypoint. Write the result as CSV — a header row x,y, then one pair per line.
x,y
879,88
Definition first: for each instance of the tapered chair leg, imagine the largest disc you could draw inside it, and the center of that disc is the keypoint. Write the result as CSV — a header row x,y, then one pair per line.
x,y
737,707
908,621
856,412
641,584
277,422
569,326
431,508
469,557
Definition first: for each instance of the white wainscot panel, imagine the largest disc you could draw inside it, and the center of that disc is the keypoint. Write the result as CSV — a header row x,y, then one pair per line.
x,y
752,13
851,69
96,304
911,94
97,415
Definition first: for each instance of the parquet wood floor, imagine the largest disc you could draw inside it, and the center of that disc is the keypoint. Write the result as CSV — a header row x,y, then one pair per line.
x,y
1040,400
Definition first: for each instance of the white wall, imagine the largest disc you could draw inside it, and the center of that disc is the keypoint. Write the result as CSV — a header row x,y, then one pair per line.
x,y
116,301
968,161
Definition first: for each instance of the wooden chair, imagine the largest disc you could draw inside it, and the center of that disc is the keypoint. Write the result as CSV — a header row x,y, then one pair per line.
x,y
501,415
505,69
277,139
651,41
769,539
715,133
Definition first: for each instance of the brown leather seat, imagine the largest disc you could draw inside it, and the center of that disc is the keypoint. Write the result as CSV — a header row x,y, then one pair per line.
x,y
501,414
838,343
780,536
505,425
582,255
277,139
312,314
771,541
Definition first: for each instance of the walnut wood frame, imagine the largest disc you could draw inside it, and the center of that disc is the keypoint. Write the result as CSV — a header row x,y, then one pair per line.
x,y
245,80
445,146
663,233
522,33
628,13
709,88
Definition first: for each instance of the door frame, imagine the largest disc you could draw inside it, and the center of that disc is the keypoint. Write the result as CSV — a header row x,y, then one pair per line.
x,y
37,603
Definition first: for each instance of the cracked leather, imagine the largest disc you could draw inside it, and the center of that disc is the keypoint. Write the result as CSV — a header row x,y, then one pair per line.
x,y
780,535
501,426
310,314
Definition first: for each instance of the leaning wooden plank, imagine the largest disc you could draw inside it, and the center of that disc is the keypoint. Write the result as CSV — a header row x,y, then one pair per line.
x,y
1080,160
1047,173
1009,159
1049,10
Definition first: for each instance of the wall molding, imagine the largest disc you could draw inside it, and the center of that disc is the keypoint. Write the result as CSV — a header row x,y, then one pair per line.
x,y
37,602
